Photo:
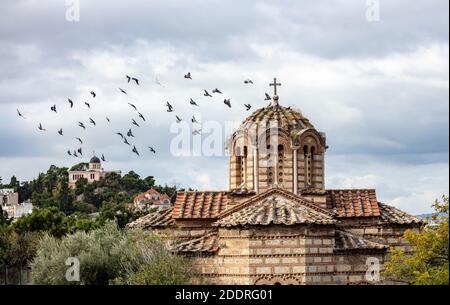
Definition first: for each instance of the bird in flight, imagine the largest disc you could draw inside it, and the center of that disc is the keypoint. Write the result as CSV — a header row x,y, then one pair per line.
x,y
248,81
103,158
135,80
217,91
197,132
92,121
207,93
178,119
93,94
135,123
108,119
152,150
123,91
125,141
128,78
60,131
87,104
169,107
194,120
41,128
120,134
267,98
135,151
53,108
69,152
80,151
227,102
75,153
247,106
132,106
20,114
192,102
141,116
79,140
81,125
70,102
188,75
130,133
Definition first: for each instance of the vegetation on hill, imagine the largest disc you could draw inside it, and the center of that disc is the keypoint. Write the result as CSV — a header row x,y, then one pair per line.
x,y
427,264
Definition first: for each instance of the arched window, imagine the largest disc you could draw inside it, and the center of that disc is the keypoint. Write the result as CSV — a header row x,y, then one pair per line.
x,y
308,164
280,163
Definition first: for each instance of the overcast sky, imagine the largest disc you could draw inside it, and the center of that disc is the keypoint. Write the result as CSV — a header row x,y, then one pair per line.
x,y
378,89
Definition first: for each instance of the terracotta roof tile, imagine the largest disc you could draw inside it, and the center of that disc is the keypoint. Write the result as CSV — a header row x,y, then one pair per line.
x,y
353,203
207,243
348,241
200,204
389,214
161,218
274,209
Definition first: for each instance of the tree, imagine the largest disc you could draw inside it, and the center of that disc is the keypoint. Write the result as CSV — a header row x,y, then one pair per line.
x,y
428,262
108,255
50,220
4,218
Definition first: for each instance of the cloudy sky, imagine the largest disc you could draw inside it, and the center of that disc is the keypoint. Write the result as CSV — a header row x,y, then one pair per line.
x,y
378,87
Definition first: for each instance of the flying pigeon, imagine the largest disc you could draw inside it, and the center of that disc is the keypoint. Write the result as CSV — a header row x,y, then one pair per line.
x,y
75,153
178,119
152,150
169,107
130,133
20,114
248,81
87,104
53,108
70,102
69,152
194,120
125,141
93,94
60,131
40,127
188,75
132,106
207,93
128,78
135,80
217,91
79,140
103,158
80,151
267,98
92,121
247,106
141,116
123,91
227,102
81,125
120,134
135,123
135,151
192,102
108,119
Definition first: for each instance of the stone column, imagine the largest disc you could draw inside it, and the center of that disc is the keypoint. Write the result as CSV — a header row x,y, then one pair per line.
x,y
256,169
295,171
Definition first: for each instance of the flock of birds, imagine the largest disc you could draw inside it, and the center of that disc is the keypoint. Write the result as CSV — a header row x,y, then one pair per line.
x,y
129,134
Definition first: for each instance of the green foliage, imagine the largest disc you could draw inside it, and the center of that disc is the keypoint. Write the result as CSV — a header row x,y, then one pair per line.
x,y
4,219
108,255
50,220
79,167
427,264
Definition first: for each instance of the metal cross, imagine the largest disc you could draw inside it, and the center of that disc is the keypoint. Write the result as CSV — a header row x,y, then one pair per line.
x,y
275,84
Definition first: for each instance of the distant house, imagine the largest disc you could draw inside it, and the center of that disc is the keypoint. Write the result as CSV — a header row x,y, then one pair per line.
x,y
151,198
9,201
94,172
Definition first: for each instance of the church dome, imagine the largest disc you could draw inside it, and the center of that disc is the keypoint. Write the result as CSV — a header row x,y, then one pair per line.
x,y
285,118
94,159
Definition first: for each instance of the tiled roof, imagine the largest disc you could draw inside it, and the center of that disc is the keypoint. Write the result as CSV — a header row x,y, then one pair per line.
x,y
200,204
161,218
207,243
348,241
389,214
353,203
274,209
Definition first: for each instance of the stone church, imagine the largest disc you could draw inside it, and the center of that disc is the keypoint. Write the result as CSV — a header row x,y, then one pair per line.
x,y
277,223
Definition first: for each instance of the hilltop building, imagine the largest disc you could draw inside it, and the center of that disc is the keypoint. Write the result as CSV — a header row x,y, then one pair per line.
x,y
94,172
